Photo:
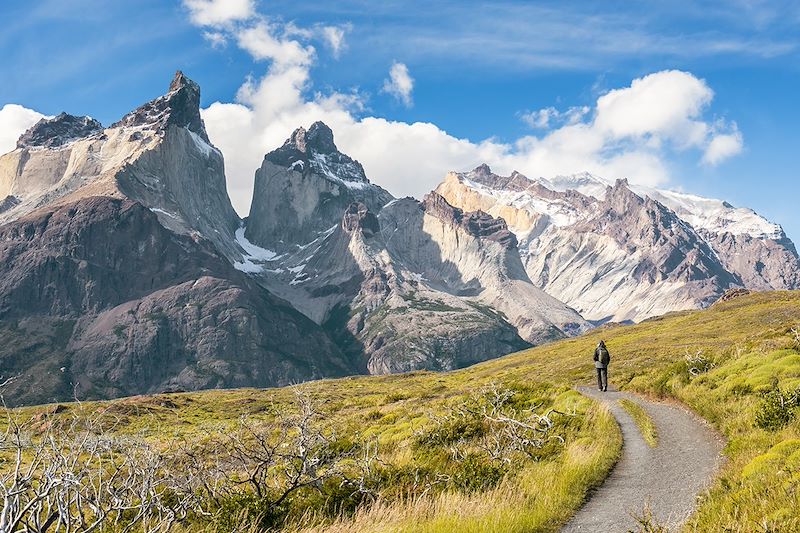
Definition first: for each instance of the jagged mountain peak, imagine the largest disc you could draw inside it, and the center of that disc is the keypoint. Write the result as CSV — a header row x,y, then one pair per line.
x,y
316,139
58,131
313,150
179,81
482,170
621,199
179,107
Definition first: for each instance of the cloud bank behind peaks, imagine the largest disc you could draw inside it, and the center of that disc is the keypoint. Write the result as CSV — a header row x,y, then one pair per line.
x,y
14,120
630,132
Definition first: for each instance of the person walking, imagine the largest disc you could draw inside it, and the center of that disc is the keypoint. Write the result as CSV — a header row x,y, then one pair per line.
x,y
601,360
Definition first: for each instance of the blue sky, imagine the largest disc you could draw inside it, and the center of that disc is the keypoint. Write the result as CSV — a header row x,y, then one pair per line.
x,y
478,77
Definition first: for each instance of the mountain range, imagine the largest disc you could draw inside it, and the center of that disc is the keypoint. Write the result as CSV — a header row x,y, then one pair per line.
x,y
126,270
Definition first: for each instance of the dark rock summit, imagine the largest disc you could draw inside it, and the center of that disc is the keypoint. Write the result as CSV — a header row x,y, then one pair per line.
x,y
179,107
313,151
58,131
303,188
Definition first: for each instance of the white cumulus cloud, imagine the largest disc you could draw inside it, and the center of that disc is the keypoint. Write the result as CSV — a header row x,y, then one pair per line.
x,y
264,41
663,105
399,84
629,132
219,12
14,120
540,118
722,146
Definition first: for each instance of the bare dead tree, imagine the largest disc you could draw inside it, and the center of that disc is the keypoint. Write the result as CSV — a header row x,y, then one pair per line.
x,y
505,431
72,475
698,363
273,460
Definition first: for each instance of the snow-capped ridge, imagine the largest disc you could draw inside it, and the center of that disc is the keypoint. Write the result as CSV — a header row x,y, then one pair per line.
x,y
706,214
621,251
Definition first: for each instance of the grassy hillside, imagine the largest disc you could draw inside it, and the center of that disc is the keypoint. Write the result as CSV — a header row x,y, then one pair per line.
x,y
737,364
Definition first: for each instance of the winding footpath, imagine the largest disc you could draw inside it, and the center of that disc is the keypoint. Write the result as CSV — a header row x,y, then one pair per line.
x,y
668,477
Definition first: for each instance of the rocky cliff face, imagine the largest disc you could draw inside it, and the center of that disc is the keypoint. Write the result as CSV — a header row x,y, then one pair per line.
x,y
158,155
302,189
401,284
116,266
616,252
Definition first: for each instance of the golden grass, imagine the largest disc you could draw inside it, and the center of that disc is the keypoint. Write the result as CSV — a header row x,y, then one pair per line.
x,y
541,497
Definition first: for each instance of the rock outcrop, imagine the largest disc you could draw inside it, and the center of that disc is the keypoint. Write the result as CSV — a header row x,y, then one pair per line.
x,y
58,131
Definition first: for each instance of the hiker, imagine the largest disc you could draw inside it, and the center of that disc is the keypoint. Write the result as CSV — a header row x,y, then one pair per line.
x,y
601,360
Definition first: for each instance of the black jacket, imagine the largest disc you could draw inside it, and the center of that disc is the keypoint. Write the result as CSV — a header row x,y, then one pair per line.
x,y
601,356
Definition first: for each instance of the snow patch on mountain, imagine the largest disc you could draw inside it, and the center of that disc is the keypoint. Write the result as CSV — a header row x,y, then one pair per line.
x,y
560,213
253,254
716,216
202,145
336,171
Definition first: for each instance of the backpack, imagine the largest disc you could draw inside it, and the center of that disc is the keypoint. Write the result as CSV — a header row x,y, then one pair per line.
x,y
603,356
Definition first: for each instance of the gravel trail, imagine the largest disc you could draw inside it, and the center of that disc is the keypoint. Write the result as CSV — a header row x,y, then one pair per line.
x,y
668,477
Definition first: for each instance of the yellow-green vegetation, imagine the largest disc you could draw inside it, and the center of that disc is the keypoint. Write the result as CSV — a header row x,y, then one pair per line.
x,y
643,421
419,452
737,364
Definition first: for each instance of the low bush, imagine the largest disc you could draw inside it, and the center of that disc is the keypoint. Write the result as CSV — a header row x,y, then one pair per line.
x,y
778,408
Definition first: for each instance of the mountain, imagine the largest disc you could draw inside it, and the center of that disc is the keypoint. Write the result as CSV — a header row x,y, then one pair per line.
x,y
617,252
401,284
116,274
303,188
125,269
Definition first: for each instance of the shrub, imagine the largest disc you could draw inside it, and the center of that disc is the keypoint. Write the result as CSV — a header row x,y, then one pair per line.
x,y
778,408
451,429
474,473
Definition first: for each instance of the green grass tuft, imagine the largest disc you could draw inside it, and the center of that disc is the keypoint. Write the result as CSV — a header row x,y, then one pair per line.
x,y
643,421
